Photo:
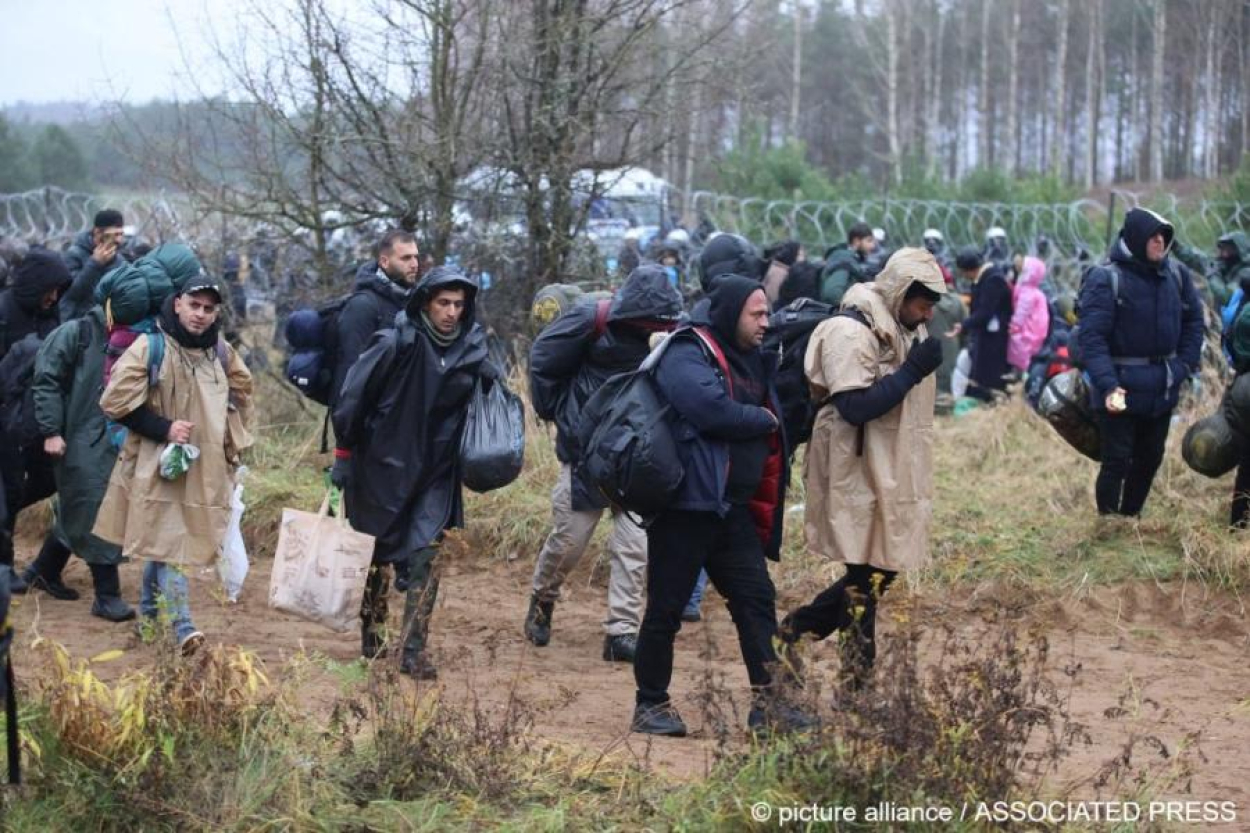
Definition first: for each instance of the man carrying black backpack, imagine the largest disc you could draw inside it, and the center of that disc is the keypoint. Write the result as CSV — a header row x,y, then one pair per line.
x,y
28,308
569,361
382,288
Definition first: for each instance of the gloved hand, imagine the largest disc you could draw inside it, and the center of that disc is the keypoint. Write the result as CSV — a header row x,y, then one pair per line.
x,y
924,358
341,472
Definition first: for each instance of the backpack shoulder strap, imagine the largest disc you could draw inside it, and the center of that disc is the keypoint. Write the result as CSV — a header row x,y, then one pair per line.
x,y
854,314
712,347
223,355
156,357
84,335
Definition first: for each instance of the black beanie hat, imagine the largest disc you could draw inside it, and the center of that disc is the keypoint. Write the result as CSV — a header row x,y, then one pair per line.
x,y
969,258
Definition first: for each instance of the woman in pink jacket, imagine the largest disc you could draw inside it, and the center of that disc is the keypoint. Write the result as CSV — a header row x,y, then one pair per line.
x,y
1030,320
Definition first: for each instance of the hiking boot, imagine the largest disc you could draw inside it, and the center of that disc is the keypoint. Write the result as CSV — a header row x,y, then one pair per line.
x,y
17,584
54,587
779,717
190,643
112,609
538,621
418,666
372,645
620,648
657,720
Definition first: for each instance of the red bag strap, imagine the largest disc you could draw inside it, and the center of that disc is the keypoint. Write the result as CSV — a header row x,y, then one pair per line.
x,y
601,317
713,346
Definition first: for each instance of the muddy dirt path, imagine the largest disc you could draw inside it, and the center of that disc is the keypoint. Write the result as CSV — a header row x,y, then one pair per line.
x,y
1183,659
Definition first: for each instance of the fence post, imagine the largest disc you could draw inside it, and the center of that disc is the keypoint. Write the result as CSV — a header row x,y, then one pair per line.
x,y
1110,219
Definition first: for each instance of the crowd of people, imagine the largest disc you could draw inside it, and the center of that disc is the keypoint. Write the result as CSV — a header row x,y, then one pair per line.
x,y
121,397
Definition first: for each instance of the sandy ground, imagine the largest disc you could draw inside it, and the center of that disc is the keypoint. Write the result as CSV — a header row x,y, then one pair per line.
x,y
1166,660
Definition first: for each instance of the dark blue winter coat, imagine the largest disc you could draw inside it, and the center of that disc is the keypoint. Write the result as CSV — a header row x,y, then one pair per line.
x,y
706,419
1149,340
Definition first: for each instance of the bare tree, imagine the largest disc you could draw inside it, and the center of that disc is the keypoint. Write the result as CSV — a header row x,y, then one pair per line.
x,y
1158,32
1059,136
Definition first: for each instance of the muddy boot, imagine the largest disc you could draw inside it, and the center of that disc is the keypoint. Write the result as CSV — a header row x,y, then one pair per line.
x,y
44,573
418,608
538,621
108,602
418,666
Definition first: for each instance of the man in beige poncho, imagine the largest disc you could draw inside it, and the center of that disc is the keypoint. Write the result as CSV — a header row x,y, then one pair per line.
x,y
869,464
199,393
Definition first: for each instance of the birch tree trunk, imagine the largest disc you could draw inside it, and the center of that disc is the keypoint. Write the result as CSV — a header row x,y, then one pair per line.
x,y
796,73
1013,88
1158,32
1059,135
1092,92
983,91
893,14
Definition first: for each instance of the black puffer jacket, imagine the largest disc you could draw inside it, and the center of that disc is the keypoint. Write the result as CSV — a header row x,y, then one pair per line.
x,y
373,306
570,360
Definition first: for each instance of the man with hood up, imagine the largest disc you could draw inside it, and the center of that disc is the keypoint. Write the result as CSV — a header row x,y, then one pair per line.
x,y
381,290
399,420
1140,337
728,512
28,313
569,361
869,464
93,254
1231,270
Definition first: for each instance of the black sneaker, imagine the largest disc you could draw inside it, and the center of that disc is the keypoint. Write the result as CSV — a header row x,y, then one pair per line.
x,y
418,666
658,720
112,609
538,621
620,648
53,587
779,717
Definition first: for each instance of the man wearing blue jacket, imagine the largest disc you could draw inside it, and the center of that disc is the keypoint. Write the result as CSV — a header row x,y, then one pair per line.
x,y
1140,337
728,513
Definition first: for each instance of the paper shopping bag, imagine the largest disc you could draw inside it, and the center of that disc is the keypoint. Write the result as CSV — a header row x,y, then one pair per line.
x,y
320,568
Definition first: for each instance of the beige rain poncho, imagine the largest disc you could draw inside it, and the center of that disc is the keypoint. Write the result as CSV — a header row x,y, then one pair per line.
x,y
872,509
181,522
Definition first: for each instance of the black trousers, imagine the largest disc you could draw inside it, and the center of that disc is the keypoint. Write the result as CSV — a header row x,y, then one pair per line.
x,y
849,605
679,545
1132,449
1241,493
28,479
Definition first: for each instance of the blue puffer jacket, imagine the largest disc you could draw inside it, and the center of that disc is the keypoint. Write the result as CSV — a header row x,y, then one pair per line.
x,y
706,419
1149,339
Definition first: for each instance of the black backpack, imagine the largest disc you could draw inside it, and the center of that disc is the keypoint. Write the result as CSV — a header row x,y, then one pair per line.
x,y
313,337
17,398
629,452
789,331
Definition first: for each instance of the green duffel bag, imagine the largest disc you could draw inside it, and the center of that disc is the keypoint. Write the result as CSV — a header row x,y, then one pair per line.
x,y
1211,447
1064,403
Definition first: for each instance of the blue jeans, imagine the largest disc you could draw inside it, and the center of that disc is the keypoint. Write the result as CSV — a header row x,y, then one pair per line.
x,y
696,598
168,584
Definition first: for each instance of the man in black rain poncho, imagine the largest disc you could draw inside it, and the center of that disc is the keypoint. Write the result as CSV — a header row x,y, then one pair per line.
x,y
399,419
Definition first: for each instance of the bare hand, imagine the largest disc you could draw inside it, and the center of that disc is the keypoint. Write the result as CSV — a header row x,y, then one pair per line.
x,y
104,253
954,331
180,431
1115,401
54,446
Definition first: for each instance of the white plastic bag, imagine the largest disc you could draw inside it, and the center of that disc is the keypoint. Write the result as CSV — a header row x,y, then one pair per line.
x,y
232,564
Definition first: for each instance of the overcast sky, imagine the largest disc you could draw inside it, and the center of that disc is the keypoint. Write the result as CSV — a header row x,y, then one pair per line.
x,y
91,50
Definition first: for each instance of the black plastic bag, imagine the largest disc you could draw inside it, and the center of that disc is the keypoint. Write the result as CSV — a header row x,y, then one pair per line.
x,y
1065,405
492,451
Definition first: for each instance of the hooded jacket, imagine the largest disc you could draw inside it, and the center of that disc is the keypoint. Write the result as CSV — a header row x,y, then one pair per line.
x,y
85,274
870,487
1030,316
706,420
21,310
844,268
570,359
1149,339
374,303
69,373
401,413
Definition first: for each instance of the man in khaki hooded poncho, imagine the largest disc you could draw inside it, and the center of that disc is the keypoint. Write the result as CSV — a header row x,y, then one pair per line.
x,y
869,463
201,393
